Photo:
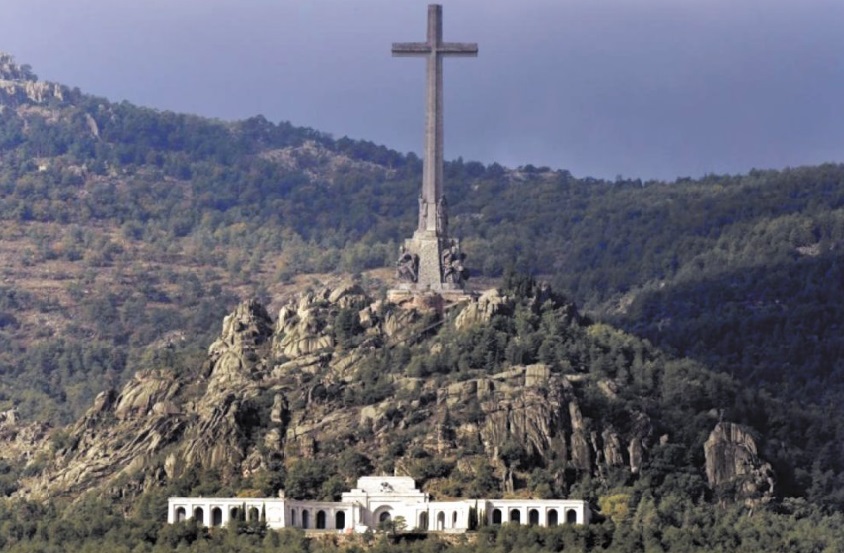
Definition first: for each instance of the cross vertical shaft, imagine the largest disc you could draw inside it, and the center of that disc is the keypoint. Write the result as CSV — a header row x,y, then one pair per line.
x,y
432,173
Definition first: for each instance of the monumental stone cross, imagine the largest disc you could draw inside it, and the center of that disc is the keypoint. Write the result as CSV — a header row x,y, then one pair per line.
x,y
430,247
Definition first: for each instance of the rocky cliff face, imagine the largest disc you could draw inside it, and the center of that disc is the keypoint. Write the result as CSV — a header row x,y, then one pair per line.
x,y
18,85
733,465
306,386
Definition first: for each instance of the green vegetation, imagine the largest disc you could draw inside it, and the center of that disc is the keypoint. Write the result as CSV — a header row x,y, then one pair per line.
x,y
740,272
127,233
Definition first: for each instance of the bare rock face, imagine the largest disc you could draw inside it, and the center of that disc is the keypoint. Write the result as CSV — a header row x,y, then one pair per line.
x,y
531,417
21,440
147,394
488,305
303,329
733,464
18,85
244,331
636,453
581,452
127,432
269,393
612,448
237,366
118,435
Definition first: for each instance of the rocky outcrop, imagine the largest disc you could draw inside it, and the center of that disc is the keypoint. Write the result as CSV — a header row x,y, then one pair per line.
x,y
272,392
302,329
482,310
237,366
9,70
233,356
581,452
119,435
21,440
18,85
733,465
530,417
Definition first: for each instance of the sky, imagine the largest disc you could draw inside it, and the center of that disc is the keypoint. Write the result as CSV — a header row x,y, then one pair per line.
x,y
602,88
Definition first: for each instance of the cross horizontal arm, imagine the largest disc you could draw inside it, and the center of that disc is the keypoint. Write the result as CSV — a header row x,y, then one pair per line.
x,y
445,48
458,48
411,48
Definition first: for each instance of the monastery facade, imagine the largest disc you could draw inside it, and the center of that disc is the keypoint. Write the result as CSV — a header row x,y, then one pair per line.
x,y
377,500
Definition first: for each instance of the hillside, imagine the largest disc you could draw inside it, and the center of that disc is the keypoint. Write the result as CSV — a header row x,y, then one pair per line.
x,y
511,394
128,233
125,227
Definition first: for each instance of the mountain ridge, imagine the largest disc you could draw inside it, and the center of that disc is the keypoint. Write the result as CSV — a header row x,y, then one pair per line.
x,y
128,231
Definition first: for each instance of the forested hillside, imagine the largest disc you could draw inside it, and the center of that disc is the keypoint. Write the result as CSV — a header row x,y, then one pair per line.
x,y
127,234
122,225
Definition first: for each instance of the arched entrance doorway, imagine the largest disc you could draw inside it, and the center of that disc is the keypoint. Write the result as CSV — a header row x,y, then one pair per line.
x,y
216,516
253,514
181,515
533,517
515,516
340,520
306,519
553,517
199,515
571,516
292,517
496,516
423,521
382,516
320,520
441,521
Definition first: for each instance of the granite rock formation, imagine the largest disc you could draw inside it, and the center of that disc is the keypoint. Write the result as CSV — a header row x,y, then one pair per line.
x,y
271,392
733,465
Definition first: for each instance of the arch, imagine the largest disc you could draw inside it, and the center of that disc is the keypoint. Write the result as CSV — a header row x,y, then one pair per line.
x,y
306,518
340,520
253,514
533,517
320,520
441,521
292,517
181,514
496,516
382,514
454,519
553,517
199,515
423,521
571,516
234,513
515,516
216,516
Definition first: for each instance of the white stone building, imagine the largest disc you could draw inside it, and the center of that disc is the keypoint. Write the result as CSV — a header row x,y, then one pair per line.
x,y
377,499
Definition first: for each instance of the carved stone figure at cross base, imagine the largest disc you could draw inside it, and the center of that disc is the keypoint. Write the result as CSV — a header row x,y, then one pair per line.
x,y
407,266
453,270
423,212
442,217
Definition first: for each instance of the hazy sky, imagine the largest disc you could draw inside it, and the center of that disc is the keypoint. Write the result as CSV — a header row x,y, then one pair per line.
x,y
640,88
